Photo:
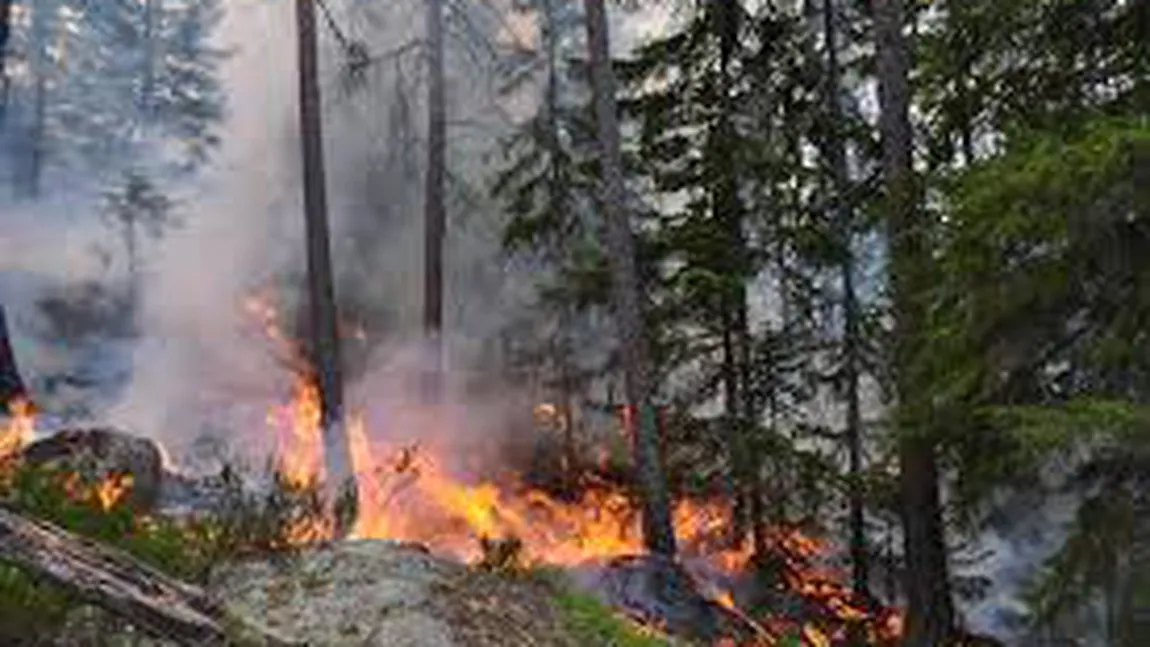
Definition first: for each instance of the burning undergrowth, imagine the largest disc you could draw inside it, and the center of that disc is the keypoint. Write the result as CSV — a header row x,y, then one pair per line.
x,y
486,505
481,504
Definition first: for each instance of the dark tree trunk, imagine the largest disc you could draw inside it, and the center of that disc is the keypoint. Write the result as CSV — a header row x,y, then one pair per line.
x,y
843,219
725,19
929,614
159,605
435,210
5,34
325,358
11,386
626,295
33,152
153,23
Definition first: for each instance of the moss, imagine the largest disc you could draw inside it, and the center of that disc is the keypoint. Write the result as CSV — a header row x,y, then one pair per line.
x,y
185,549
594,624
29,608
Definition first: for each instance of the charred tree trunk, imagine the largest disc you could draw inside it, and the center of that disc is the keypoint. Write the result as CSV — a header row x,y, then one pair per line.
x,y
34,146
340,477
435,210
11,386
159,605
725,19
626,296
930,615
5,34
153,23
843,219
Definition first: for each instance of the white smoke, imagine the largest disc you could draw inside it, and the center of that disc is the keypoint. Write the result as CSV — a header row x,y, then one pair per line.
x,y
203,366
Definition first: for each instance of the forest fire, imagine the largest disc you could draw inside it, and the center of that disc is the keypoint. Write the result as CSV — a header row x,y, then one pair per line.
x,y
411,493
103,493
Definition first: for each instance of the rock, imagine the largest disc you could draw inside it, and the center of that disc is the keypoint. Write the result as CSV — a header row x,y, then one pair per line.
x,y
387,594
660,592
97,454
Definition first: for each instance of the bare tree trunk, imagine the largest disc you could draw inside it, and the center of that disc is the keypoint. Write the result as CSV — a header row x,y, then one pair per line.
x,y
930,615
34,145
843,218
153,17
627,302
435,211
340,477
5,35
11,386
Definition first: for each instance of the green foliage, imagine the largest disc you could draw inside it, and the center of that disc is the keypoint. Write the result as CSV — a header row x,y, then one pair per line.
x,y
1036,252
29,608
182,548
595,624
270,522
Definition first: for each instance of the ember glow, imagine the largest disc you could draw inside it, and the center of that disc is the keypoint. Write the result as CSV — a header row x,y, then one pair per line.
x,y
104,494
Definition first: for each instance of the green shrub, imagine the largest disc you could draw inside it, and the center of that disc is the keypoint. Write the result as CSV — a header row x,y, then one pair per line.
x,y
594,624
244,523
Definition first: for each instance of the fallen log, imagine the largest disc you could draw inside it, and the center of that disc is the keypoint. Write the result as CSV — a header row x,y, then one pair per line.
x,y
159,605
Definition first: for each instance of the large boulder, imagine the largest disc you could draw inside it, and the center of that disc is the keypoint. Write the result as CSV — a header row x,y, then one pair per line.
x,y
98,454
387,594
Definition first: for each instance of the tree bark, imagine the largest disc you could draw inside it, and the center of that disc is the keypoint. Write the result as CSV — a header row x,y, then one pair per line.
x,y
5,34
34,148
729,211
153,24
929,614
435,211
161,606
626,297
340,476
843,221
11,386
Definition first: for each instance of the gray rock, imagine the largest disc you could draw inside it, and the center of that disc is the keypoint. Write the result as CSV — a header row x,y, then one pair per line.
x,y
352,593
388,594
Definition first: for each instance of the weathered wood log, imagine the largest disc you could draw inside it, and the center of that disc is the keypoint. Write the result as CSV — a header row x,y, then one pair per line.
x,y
159,605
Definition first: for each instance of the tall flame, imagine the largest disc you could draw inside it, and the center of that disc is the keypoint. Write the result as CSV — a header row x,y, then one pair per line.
x,y
411,493
19,428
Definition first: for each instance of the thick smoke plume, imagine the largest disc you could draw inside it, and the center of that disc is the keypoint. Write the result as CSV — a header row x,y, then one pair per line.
x,y
204,365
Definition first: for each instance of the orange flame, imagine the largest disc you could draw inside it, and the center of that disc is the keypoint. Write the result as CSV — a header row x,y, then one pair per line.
x,y
411,494
104,494
20,427
112,490
299,446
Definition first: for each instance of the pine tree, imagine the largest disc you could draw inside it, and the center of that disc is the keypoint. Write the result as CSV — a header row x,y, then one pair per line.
x,y
137,207
851,315
930,617
626,292
435,209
